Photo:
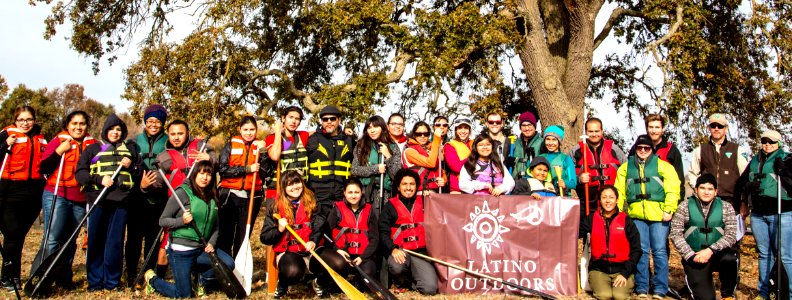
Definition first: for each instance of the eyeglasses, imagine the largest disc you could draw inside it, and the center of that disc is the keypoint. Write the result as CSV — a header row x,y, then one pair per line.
x,y
767,141
396,124
643,148
153,122
422,134
444,125
25,120
329,119
716,125
492,122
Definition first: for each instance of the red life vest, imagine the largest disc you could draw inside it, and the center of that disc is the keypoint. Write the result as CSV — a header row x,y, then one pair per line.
x,y
423,173
351,234
241,156
302,225
70,159
602,169
409,232
180,165
662,153
609,244
24,160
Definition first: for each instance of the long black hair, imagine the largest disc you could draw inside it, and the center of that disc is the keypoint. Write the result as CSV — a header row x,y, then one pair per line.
x,y
209,193
71,116
419,125
365,143
472,161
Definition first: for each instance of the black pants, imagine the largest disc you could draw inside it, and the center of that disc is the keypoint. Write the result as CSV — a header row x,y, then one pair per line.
x,y
699,276
233,220
142,229
20,204
593,199
340,265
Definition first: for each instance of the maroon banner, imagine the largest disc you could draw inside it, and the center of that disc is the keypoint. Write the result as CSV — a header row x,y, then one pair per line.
x,y
525,241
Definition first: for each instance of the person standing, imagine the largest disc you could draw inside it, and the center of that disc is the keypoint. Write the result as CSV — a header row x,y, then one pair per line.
x,y
703,230
662,147
551,149
457,151
21,185
287,146
396,130
527,146
603,158
649,192
376,155
330,154
503,142
423,157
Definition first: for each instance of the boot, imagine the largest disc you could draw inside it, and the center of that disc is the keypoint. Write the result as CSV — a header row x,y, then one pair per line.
x,y
280,291
318,288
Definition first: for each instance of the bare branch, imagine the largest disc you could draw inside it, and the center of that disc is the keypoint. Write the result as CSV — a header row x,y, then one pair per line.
x,y
616,16
652,47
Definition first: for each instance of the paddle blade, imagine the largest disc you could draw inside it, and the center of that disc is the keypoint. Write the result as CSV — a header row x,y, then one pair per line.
x,y
40,277
225,277
243,264
375,286
345,286
272,271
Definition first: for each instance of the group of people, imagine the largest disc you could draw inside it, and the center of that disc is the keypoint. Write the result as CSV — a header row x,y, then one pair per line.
x,y
360,201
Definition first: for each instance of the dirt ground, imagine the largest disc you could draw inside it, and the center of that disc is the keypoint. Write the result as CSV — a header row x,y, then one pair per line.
x,y
746,289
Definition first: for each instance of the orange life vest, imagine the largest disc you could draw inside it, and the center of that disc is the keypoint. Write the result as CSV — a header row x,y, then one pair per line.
x,y
24,160
241,156
70,159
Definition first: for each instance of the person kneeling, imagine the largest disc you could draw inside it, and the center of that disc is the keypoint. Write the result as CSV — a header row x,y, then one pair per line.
x,y
401,227
186,254
615,248
703,230
536,184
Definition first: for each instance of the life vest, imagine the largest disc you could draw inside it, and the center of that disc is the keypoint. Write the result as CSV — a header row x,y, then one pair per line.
x,y
180,165
149,150
302,225
723,165
602,168
330,161
646,186
204,215
409,232
702,231
609,239
523,154
423,173
662,152
70,159
761,170
24,160
489,174
462,149
242,155
107,161
351,234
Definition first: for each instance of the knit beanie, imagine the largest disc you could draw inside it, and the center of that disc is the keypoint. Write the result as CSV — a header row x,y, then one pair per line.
x,y
157,111
528,117
643,140
555,131
707,178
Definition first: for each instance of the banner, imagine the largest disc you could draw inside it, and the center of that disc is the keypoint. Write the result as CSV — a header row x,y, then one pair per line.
x,y
526,241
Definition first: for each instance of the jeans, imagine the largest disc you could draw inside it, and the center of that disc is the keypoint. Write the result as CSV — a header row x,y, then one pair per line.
x,y
764,228
183,264
105,247
654,237
67,215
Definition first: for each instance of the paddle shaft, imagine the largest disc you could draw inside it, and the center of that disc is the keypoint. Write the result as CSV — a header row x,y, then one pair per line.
x,y
559,172
778,242
5,160
148,257
485,276
193,165
586,168
52,210
252,195
2,255
374,285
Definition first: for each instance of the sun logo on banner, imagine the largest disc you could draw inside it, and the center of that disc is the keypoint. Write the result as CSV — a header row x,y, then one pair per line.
x,y
485,225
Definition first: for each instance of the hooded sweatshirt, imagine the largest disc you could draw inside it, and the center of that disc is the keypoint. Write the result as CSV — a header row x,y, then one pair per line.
x,y
115,195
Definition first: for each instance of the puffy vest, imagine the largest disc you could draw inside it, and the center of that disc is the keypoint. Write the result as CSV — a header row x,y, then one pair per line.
x,y
149,151
662,153
761,170
609,239
602,168
351,234
702,231
107,161
423,173
241,156
409,232
24,160
70,159
331,160
646,186
723,165
302,225
487,173
180,165
204,215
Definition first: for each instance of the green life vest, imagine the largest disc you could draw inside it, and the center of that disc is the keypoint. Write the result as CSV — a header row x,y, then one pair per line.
x,y
702,231
523,157
107,161
766,176
374,159
149,152
646,185
204,216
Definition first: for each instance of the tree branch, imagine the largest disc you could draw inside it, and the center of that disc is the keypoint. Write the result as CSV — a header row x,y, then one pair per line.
x,y
652,47
615,17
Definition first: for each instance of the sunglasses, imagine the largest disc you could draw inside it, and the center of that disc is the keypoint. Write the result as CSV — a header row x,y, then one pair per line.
x,y
422,134
767,141
494,122
444,125
329,119
643,148
716,125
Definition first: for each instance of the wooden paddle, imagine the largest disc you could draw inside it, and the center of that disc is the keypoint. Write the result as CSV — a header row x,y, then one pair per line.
x,y
243,263
558,172
272,271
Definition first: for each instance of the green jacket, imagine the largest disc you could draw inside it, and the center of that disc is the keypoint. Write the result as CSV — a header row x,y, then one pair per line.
x,y
649,210
766,176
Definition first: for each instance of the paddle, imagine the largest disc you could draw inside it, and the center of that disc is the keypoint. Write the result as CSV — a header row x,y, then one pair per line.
x,y
43,251
6,263
346,287
558,172
375,286
39,278
272,271
5,159
225,276
243,263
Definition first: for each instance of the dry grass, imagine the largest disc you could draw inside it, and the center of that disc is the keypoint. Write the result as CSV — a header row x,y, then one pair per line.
x,y
746,289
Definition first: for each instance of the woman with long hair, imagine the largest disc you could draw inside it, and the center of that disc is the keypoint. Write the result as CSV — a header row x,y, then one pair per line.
x,y
186,254
457,151
484,173
422,157
551,150
376,154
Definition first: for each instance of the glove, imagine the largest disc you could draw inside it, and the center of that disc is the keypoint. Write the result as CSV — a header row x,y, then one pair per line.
x,y
778,166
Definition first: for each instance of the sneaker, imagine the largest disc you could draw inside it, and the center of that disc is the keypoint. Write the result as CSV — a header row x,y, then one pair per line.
x,y
280,291
198,290
150,274
642,296
658,297
318,288
9,284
